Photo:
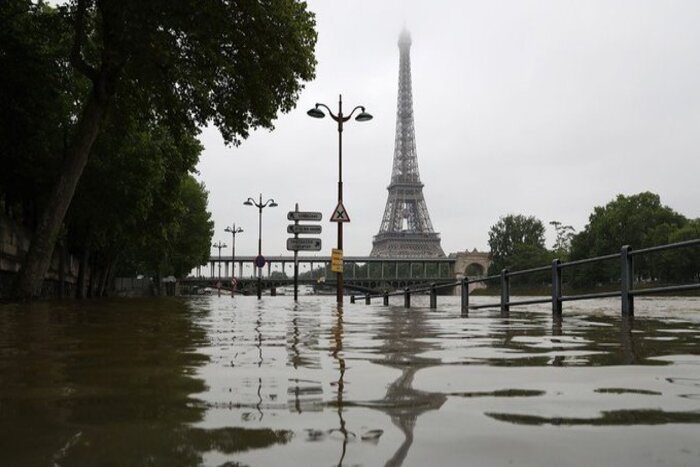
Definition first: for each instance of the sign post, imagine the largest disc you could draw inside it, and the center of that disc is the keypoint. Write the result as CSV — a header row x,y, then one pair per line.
x,y
295,243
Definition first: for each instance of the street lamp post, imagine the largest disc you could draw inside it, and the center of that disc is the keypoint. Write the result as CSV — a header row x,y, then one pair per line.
x,y
234,230
363,116
219,245
260,261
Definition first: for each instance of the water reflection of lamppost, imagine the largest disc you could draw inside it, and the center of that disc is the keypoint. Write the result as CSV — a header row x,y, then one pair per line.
x,y
219,245
234,230
363,116
338,355
260,261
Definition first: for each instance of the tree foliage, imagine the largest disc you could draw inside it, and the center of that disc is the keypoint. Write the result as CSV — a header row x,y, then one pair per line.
x,y
639,220
562,243
37,91
517,242
171,65
137,208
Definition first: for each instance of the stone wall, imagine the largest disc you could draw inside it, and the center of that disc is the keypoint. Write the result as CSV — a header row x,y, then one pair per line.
x,y
14,243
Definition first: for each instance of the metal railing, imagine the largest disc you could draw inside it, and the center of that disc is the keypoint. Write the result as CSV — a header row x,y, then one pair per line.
x,y
626,293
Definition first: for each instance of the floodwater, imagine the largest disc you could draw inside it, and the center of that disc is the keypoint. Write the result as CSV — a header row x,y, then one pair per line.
x,y
242,382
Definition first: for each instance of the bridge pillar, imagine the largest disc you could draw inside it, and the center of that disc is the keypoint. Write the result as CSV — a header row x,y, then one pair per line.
x,y
433,296
386,298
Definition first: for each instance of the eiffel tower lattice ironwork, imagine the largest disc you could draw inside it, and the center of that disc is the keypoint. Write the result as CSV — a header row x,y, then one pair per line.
x,y
406,230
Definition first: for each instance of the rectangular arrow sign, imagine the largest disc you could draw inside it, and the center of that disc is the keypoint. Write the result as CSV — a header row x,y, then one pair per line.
x,y
303,216
304,244
304,229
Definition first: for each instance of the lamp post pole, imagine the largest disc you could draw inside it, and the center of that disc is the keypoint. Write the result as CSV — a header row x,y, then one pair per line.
x,y
363,116
234,230
260,261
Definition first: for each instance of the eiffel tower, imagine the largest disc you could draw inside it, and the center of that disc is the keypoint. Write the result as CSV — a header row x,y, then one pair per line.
x,y
406,230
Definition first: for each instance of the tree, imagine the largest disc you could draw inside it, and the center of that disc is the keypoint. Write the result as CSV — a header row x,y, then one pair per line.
x,y
682,265
234,64
36,98
192,244
517,241
137,208
638,220
562,243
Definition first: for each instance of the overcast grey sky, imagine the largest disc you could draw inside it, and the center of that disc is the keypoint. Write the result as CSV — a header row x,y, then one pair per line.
x,y
543,108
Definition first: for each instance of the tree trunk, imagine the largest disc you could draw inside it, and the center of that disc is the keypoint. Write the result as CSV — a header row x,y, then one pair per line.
x,y
62,270
91,277
82,273
38,258
103,281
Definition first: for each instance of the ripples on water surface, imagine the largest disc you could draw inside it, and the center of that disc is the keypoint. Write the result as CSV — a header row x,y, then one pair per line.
x,y
216,380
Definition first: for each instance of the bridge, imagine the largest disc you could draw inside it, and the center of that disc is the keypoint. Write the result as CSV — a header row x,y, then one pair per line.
x,y
361,273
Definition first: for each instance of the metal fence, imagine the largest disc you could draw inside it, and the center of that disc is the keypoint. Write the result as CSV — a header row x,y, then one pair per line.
x,y
626,293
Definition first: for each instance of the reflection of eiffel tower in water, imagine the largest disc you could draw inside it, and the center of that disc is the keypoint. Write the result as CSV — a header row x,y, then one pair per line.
x,y
406,230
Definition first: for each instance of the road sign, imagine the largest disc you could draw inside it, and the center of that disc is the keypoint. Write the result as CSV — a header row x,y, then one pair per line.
x,y
340,214
304,244
260,261
336,260
304,229
303,216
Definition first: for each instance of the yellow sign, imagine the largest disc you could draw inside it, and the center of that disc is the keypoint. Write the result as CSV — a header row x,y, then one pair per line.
x,y
337,260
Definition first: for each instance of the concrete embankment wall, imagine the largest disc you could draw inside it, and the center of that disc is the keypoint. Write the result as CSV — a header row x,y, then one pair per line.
x,y
14,244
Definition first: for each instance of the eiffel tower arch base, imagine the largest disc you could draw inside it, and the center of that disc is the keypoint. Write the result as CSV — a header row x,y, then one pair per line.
x,y
407,245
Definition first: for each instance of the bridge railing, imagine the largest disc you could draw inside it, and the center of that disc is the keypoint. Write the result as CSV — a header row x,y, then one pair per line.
x,y
626,293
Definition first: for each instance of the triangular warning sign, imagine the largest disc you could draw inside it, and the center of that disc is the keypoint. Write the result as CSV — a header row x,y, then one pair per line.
x,y
340,214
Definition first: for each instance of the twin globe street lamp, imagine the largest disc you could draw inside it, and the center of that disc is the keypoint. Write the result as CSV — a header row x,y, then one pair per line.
x,y
363,116
234,230
219,245
260,260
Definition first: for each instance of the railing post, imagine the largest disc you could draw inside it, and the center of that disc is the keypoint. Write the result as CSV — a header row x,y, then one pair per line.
x,y
626,281
465,296
368,299
433,296
386,298
505,291
352,299
407,298
556,287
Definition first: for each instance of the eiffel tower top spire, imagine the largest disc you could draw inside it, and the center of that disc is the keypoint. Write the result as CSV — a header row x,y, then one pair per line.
x,y
406,230
405,168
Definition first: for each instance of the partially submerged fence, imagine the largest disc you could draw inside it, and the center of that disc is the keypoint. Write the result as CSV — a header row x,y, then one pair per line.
x,y
626,293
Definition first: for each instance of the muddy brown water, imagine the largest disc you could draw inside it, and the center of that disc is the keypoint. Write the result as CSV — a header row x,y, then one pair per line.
x,y
238,382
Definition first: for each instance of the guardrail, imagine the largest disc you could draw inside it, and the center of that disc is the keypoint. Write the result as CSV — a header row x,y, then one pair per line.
x,y
626,293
